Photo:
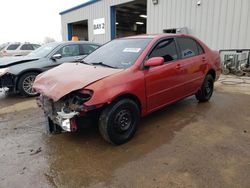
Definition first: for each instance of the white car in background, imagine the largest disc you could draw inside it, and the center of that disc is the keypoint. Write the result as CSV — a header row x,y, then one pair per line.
x,y
17,49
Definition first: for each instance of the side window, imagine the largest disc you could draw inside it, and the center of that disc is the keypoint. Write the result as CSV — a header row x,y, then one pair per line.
x,y
188,47
13,47
26,47
166,49
86,49
69,51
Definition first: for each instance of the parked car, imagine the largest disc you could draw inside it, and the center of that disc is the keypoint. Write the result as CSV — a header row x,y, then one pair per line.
x,y
18,73
126,79
18,49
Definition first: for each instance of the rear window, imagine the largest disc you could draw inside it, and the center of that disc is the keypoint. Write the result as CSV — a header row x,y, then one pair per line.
x,y
188,47
27,47
13,46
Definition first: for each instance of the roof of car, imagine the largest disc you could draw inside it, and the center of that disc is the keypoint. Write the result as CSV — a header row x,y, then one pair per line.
x,y
156,35
75,42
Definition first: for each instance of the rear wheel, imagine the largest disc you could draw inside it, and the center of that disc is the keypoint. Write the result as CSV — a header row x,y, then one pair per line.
x,y
207,88
25,84
118,121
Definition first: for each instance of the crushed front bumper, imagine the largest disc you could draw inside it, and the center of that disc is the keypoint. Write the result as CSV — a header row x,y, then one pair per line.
x,y
61,120
7,80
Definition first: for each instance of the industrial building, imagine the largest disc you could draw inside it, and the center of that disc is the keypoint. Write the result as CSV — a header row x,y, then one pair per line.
x,y
221,24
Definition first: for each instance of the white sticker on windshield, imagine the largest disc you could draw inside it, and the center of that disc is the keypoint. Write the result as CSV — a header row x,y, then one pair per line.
x,y
132,50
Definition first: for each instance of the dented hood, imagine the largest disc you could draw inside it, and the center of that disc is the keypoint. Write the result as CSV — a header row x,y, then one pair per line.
x,y
58,82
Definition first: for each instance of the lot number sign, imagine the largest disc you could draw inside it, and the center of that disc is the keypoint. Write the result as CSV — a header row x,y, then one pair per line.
x,y
99,26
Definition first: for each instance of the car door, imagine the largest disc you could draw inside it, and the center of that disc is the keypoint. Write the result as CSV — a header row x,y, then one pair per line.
x,y
163,83
192,61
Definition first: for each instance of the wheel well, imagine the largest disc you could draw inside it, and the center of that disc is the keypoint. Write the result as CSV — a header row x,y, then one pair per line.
x,y
212,72
23,73
129,96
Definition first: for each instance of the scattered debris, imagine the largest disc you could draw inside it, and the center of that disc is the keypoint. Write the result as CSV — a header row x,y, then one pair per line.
x,y
22,152
37,151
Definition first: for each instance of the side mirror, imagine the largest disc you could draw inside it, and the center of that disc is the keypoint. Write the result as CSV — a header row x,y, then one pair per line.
x,y
56,56
154,61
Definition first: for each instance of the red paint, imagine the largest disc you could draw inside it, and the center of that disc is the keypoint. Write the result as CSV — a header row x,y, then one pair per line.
x,y
155,61
73,125
159,85
154,87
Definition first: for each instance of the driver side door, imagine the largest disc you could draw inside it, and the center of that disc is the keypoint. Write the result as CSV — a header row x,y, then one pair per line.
x,y
163,83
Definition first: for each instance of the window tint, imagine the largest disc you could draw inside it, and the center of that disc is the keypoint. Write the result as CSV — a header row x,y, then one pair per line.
x,y
86,49
69,51
166,49
188,47
26,47
13,46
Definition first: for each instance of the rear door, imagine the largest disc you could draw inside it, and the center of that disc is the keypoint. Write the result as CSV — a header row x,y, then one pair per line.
x,y
193,63
164,83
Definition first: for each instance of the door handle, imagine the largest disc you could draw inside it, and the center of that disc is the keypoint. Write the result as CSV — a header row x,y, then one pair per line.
x,y
203,59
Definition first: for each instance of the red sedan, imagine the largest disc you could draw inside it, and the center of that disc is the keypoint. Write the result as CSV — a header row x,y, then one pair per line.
x,y
124,80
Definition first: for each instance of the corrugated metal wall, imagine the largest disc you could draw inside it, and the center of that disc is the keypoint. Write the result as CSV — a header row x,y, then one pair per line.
x,y
97,10
222,24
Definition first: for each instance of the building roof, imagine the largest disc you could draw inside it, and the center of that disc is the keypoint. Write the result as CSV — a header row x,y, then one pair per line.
x,y
79,6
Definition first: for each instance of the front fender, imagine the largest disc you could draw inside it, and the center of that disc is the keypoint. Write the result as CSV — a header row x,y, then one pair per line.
x,y
107,90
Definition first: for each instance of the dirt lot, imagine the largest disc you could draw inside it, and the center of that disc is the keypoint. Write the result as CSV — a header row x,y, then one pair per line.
x,y
184,145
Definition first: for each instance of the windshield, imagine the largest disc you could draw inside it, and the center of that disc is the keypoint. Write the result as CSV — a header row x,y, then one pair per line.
x,y
121,53
44,50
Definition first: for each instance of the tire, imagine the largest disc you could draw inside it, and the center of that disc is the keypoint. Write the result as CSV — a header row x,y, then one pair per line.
x,y
225,71
207,88
118,122
25,84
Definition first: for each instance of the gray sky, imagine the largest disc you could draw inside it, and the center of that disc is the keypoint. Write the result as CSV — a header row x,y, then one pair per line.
x,y
32,20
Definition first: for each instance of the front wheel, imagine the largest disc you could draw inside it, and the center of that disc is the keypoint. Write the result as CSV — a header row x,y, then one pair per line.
x,y
25,84
207,88
118,121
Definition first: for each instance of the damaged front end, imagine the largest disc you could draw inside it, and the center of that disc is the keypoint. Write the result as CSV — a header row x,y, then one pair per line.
x,y
68,113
